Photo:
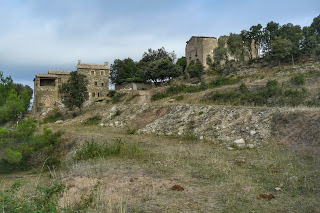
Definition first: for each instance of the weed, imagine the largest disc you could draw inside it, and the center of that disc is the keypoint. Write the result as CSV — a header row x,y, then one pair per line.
x,y
130,131
116,114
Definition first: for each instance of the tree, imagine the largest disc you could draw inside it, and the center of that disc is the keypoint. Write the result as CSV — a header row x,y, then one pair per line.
x,y
235,46
255,36
6,84
73,93
315,28
280,48
269,34
154,61
13,107
163,69
195,69
123,69
309,42
182,62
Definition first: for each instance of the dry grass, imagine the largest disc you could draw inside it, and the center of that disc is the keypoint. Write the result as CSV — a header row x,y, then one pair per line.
x,y
212,177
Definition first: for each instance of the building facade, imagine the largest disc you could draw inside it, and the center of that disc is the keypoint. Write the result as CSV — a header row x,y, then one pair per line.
x,y
46,86
199,47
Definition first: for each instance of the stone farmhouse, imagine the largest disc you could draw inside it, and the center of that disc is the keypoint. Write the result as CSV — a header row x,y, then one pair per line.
x,y
46,86
199,47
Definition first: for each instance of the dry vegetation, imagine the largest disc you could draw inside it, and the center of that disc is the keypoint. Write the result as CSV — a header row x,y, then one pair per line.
x,y
213,178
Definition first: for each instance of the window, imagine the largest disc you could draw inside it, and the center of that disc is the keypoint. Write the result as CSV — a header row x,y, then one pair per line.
x,y
98,94
93,95
101,73
92,72
102,84
96,83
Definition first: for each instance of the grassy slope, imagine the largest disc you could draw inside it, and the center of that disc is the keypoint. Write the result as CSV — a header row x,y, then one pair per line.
x,y
214,178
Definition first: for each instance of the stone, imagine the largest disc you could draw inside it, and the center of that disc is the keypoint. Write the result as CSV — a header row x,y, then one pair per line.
x,y
101,124
277,189
59,122
201,137
252,132
250,146
230,148
240,143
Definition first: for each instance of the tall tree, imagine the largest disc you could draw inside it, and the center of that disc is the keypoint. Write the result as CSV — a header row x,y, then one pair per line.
x,y
163,69
280,48
195,69
235,46
73,93
182,62
269,34
123,69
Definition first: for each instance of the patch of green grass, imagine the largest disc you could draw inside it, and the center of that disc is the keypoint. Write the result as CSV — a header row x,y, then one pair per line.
x,y
116,148
94,120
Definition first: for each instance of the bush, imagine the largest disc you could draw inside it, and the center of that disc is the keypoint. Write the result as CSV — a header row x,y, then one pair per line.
x,y
298,79
20,145
271,95
179,98
94,120
53,116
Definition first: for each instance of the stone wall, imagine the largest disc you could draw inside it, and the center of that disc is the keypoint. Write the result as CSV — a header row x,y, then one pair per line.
x,y
198,48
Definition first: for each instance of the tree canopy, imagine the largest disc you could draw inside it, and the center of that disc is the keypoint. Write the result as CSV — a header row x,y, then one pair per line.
x,y
73,93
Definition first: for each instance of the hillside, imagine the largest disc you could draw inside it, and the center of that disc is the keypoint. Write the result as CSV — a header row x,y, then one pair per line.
x,y
185,151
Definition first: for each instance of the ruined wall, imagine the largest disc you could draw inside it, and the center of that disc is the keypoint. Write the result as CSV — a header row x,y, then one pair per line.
x,y
134,86
98,78
199,48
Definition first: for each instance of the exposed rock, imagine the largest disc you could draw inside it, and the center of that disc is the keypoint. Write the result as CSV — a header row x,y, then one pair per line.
x,y
240,143
252,132
59,122
250,146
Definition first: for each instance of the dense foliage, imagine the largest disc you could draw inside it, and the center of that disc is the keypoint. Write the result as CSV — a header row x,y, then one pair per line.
x,y
275,42
155,65
14,99
73,93
21,148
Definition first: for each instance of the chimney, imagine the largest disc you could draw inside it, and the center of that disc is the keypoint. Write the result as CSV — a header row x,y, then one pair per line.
x,y
79,62
106,64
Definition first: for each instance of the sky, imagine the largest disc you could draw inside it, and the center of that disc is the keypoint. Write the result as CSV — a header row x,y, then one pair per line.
x,y
41,35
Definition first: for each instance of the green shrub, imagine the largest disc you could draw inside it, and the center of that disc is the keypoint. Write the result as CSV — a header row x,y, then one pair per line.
x,y
94,120
116,114
20,144
130,131
271,95
12,156
179,98
298,79
53,116
43,199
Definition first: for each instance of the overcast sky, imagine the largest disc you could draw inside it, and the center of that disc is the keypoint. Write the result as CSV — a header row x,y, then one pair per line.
x,y
38,35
